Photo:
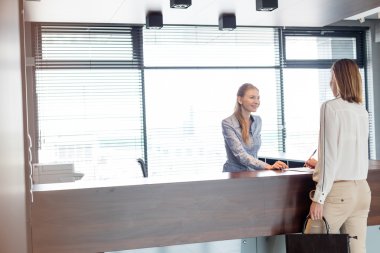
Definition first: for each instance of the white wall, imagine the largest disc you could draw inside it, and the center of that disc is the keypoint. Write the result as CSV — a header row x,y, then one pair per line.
x,y
13,235
376,85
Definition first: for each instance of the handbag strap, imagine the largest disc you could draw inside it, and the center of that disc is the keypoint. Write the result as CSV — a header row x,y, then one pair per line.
x,y
324,221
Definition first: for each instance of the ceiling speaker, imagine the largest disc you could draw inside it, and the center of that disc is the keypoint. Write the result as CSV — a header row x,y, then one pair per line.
x,y
266,5
180,4
227,22
154,20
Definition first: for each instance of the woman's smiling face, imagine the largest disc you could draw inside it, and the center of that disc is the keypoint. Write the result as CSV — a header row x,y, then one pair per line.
x,y
250,101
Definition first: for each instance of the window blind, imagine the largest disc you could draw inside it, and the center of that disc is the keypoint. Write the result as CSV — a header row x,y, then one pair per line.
x,y
192,75
369,95
204,46
308,57
106,95
88,96
321,48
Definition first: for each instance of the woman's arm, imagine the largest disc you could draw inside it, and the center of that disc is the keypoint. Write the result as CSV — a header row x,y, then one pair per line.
x,y
327,155
236,146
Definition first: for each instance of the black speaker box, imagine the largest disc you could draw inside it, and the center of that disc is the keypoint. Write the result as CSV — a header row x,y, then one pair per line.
x,y
227,22
266,5
154,20
180,4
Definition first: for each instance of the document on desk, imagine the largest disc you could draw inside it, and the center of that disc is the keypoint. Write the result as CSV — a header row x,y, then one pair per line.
x,y
300,169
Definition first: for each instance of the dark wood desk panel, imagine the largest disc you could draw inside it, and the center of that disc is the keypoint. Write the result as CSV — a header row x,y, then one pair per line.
x,y
374,183
241,205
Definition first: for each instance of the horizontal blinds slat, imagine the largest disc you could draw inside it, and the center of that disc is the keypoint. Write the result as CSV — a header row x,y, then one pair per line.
x,y
206,46
327,45
320,48
85,47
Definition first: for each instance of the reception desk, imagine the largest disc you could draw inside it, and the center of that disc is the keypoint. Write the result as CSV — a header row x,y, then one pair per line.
x,y
78,217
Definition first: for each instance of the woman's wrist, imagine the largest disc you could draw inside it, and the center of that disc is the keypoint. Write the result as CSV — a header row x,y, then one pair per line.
x,y
268,167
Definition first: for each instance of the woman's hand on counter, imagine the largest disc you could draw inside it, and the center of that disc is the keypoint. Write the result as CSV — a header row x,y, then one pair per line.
x,y
278,165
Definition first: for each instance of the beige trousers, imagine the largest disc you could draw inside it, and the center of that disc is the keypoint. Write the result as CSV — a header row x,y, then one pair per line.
x,y
346,210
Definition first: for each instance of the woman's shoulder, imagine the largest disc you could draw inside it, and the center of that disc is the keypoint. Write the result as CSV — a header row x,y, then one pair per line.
x,y
230,121
340,103
256,118
230,118
331,103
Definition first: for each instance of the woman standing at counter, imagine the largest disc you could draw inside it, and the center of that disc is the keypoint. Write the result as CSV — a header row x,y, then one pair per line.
x,y
342,194
242,134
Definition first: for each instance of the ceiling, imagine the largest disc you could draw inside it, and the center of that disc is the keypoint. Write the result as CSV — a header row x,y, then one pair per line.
x,y
311,13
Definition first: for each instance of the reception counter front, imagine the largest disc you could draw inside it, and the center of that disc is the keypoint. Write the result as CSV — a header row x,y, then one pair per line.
x,y
143,213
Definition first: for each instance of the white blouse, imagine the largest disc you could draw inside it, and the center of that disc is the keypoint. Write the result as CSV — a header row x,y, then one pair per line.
x,y
343,145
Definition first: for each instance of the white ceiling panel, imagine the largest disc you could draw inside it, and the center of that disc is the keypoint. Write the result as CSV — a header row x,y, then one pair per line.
x,y
201,12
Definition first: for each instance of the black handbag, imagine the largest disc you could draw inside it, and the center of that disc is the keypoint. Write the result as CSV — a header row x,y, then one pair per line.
x,y
317,243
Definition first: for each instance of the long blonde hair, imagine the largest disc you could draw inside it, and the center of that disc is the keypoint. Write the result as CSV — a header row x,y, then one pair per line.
x,y
348,80
238,110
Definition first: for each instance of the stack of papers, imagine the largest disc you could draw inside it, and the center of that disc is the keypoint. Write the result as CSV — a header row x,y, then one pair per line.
x,y
300,169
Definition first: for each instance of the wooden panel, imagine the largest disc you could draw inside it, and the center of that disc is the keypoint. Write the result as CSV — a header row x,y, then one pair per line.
x,y
14,236
374,183
247,204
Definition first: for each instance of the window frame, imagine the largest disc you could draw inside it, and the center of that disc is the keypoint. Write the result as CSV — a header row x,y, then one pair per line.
x,y
357,33
138,62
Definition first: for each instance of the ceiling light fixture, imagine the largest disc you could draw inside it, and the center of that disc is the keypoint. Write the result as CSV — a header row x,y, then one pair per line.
x,y
227,22
180,4
266,5
154,20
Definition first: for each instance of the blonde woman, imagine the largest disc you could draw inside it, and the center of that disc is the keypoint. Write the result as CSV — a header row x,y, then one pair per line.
x,y
242,134
342,194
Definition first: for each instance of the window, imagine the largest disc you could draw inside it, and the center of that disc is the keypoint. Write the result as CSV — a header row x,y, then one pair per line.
x,y
106,95
191,78
89,99
308,56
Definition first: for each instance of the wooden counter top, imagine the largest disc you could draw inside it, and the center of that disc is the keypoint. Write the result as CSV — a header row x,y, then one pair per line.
x,y
160,212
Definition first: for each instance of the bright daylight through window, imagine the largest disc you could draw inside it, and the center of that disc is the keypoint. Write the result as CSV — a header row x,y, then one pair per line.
x,y
105,96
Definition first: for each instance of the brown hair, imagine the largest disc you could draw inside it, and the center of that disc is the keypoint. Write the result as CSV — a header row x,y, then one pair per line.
x,y
238,111
348,80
